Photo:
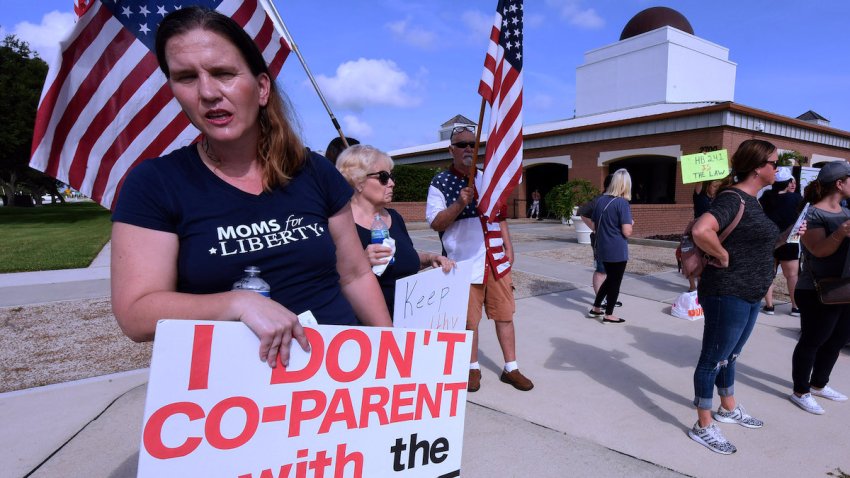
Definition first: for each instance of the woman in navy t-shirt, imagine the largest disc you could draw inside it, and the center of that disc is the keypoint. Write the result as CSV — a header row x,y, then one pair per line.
x,y
186,225
613,218
369,171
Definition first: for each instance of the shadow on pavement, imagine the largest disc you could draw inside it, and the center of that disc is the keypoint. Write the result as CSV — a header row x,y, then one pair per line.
x,y
608,369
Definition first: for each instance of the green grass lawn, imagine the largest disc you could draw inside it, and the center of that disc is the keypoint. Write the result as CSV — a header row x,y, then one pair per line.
x,y
54,236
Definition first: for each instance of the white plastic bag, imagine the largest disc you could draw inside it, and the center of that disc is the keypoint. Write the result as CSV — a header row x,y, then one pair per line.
x,y
380,268
687,307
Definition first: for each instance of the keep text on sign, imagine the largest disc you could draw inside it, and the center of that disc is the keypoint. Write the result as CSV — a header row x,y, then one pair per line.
x,y
363,402
433,299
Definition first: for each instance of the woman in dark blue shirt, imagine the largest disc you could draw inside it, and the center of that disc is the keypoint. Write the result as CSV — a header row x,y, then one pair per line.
x,y
369,171
247,194
613,218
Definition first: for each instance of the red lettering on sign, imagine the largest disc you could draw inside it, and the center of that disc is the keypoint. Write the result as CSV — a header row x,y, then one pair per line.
x,y
199,371
433,401
398,402
317,351
342,399
333,366
342,460
450,338
455,389
298,413
152,435
274,414
212,428
378,408
388,346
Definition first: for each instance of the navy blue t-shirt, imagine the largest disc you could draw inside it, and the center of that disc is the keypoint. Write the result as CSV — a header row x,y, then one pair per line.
x,y
222,229
609,215
406,258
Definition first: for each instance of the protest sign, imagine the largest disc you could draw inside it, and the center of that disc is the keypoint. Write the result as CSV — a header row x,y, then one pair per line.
x,y
433,299
364,402
807,175
704,166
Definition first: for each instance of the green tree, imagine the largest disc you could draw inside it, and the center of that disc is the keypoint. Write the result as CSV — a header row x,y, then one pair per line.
x,y
22,75
789,158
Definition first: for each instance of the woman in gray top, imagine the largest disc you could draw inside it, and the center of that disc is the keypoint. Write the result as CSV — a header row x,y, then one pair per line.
x,y
824,328
730,293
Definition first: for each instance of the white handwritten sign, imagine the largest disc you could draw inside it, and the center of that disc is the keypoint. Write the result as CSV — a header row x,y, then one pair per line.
x,y
433,299
807,175
364,402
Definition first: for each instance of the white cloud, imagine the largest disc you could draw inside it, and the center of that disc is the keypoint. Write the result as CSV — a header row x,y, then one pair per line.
x,y
541,101
576,14
478,23
45,37
354,126
533,20
413,35
367,82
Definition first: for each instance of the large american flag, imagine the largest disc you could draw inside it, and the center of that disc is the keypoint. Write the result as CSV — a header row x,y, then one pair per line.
x,y
501,87
106,105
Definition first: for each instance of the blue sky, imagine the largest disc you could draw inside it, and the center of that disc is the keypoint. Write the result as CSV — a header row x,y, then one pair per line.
x,y
394,70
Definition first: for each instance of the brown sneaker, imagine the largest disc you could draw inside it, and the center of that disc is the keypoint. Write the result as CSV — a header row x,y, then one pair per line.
x,y
518,380
474,380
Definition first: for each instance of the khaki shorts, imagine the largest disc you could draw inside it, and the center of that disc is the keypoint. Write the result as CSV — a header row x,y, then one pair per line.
x,y
497,297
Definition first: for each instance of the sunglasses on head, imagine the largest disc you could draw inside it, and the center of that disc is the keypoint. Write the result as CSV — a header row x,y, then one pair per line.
x,y
461,129
383,177
464,144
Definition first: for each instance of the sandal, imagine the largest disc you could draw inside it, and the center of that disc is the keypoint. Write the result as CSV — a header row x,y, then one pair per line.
x,y
614,321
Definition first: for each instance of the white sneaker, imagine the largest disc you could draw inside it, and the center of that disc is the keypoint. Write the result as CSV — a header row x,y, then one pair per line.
x,y
711,438
829,394
739,416
808,403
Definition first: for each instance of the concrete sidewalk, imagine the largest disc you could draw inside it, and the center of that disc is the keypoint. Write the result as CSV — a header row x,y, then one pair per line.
x,y
609,400
24,288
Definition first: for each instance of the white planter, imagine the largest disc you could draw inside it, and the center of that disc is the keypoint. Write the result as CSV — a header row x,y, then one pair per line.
x,y
582,231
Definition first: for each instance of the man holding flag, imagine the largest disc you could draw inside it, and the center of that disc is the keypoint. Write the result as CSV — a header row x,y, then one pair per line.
x,y
471,221
451,210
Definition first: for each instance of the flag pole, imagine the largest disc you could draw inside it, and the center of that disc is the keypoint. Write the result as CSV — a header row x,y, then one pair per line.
x,y
282,26
471,182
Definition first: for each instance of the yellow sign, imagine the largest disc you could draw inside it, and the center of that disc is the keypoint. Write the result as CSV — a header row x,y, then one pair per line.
x,y
704,166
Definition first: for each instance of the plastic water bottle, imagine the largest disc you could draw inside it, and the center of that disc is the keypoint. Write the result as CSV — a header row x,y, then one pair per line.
x,y
252,281
380,231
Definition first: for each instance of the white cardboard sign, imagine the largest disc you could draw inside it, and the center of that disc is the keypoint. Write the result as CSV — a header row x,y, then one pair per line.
x,y
807,175
433,299
364,402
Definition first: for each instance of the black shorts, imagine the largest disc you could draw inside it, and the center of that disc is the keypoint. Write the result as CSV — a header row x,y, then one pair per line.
x,y
787,252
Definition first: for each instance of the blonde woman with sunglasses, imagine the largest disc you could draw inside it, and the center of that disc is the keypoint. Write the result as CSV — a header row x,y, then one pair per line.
x,y
369,171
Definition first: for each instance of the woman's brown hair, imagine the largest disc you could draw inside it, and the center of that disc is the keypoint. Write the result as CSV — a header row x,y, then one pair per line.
x,y
751,155
280,151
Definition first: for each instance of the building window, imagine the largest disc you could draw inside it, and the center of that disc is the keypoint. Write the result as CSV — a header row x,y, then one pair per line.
x,y
653,178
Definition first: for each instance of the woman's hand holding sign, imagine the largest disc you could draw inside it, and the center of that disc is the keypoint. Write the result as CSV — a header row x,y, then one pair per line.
x,y
274,324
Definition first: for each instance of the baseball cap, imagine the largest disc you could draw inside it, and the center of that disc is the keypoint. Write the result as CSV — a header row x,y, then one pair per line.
x,y
834,171
783,174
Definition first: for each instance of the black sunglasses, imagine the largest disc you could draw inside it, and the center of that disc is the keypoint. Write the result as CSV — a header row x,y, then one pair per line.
x,y
464,144
461,129
383,177
772,163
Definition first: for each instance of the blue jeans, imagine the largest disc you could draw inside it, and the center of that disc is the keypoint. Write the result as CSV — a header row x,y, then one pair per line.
x,y
729,320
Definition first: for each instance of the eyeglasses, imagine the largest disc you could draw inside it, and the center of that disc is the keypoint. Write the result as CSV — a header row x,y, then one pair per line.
x,y
464,144
383,177
461,129
772,164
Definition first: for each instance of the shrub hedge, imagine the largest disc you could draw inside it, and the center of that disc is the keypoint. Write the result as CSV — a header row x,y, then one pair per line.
x,y
411,182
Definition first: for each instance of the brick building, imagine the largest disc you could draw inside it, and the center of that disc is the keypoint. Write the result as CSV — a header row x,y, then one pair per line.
x,y
640,106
